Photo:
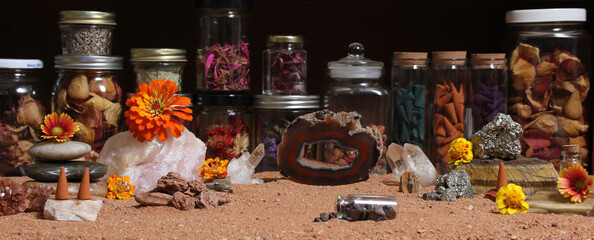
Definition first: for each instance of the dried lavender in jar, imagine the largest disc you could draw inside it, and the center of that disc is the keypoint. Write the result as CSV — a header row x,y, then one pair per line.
x,y
284,64
487,88
86,33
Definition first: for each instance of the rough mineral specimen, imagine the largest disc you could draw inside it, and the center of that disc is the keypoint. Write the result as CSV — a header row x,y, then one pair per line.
x,y
411,158
409,182
183,202
72,209
450,187
208,200
145,162
197,187
15,198
323,126
498,139
172,183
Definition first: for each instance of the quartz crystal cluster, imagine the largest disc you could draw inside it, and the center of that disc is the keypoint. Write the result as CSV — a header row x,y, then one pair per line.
x,y
498,139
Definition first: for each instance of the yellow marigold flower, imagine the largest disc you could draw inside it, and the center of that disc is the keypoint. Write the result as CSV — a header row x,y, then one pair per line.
x,y
510,199
460,151
214,168
119,187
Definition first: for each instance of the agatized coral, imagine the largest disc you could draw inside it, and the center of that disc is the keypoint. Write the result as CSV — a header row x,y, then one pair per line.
x,y
15,198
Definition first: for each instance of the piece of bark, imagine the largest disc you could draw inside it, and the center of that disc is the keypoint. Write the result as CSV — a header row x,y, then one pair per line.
x,y
154,199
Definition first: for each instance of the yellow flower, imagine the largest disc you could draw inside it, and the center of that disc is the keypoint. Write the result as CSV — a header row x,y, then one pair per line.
x,y
214,168
460,151
119,187
510,199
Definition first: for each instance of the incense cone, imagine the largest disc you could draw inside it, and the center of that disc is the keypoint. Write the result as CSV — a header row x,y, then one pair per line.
x,y
502,177
62,189
84,191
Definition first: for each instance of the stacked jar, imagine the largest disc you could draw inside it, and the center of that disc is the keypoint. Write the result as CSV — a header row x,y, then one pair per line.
x,y
448,114
158,63
549,59
87,88
23,103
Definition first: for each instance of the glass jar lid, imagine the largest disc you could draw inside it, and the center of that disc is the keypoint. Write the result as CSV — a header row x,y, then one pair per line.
x,y
222,98
410,59
158,54
21,63
285,39
89,62
87,17
546,15
287,101
355,65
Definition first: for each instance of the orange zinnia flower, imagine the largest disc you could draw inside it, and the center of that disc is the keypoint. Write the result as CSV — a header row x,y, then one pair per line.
x,y
152,108
58,128
575,183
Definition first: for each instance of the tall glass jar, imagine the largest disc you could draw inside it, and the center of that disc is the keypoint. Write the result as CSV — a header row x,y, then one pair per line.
x,y
88,90
409,95
223,58
23,104
223,122
488,77
272,115
86,33
284,66
448,105
549,59
158,63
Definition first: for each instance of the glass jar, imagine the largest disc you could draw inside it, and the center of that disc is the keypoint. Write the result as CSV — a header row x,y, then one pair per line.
x,y
488,76
284,66
448,104
409,95
86,33
158,63
223,122
23,104
366,207
88,90
223,58
570,155
272,116
549,59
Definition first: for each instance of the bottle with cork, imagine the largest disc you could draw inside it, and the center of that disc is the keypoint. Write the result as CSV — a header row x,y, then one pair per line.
x,y
570,155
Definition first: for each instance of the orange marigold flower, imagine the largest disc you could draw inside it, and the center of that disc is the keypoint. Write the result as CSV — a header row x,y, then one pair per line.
x,y
58,128
214,168
575,183
152,108
119,187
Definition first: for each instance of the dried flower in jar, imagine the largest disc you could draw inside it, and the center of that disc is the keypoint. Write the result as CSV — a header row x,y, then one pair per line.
x,y
287,71
225,67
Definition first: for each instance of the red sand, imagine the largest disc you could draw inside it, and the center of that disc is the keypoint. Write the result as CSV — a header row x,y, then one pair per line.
x,y
281,209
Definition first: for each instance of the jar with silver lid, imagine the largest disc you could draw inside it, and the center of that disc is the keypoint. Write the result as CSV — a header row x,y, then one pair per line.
x,y
88,90
158,63
272,115
86,33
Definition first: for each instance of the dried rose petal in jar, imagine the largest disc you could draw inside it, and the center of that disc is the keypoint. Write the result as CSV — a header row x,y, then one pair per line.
x,y
284,66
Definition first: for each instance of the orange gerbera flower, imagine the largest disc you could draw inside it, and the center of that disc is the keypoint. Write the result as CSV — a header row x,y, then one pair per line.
x,y
58,128
152,108
575,183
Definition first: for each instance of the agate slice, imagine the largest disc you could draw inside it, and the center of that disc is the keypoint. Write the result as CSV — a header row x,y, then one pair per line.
x,y
327,148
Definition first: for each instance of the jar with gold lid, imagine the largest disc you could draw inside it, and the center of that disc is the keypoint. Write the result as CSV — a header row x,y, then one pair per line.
x,y
284,66
158,63
86,33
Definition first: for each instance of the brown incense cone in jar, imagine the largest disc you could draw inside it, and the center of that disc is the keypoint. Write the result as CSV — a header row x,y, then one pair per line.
x,y
62,189
502,177
84,191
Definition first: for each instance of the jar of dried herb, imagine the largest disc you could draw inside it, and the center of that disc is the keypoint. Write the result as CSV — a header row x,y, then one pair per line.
x,y
488,76
285,66
88,90
158,63
448,114
23,104
223,122
272,115
86,33
409,95
549,58
223,58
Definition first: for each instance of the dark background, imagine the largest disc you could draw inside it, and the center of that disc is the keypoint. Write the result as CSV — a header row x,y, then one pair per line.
x,y
29,29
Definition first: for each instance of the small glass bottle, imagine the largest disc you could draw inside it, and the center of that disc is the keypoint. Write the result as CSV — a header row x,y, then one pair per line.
x,y
570,155
488,76
285,66
223,58
23,104
355,207
158,63
448,105
86,33
409,95
272,115
223,122
88,90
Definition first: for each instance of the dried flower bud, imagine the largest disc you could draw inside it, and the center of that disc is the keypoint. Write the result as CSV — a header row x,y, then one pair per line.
x,y
79,87
30,112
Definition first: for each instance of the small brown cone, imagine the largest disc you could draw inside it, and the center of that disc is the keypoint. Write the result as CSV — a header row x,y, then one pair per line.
x,y
84,191
62,189
502,177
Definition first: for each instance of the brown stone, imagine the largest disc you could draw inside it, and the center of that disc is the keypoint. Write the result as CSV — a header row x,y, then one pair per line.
x,y
554,202
409,182
171,183
153,199
208,200
182,201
